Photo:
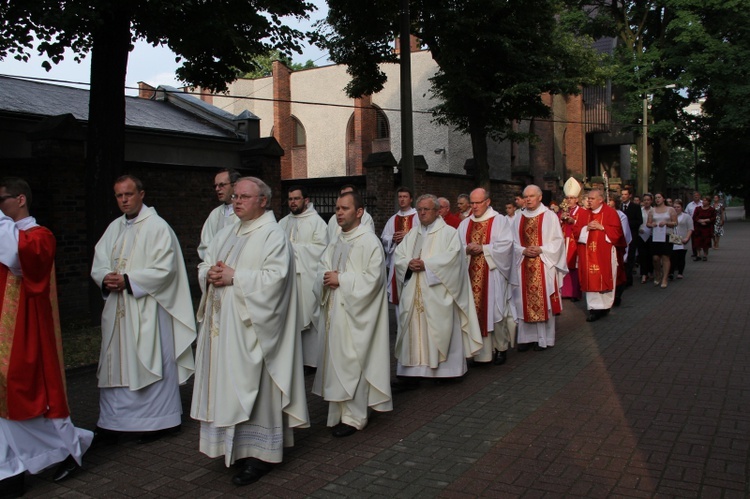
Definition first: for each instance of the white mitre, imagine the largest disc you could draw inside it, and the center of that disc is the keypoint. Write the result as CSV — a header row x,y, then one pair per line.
x,y
572,188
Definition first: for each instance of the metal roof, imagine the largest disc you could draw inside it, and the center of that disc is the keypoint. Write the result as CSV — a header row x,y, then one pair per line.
x,y
43,99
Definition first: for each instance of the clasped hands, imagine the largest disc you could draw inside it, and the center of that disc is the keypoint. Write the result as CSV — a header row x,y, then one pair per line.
x,y
220,275
331,279
474,249
114,282
594,225
399,235
532,251
416,265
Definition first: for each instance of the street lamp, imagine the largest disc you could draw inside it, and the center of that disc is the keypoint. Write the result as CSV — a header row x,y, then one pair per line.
x,y
643,171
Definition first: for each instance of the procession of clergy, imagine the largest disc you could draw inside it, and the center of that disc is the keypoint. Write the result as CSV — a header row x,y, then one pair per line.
x,y
280,299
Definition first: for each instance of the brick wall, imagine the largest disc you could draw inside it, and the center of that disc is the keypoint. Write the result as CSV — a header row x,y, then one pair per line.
x,y
283,125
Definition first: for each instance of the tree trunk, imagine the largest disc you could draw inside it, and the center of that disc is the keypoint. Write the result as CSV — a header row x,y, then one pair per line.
x,y
478,134
105,152
661,159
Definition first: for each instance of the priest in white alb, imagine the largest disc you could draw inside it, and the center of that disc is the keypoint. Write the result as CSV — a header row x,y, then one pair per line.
x,y
487,242
249,389
308,234
354,366
437,324
394,231
222,215
333,226
539,267
148,325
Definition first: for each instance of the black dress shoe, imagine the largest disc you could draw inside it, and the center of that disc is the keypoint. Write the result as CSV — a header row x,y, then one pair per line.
x,y
593,316
537,348
65,469
12,487
104,437
343,430
254,470
152,436
500,358
523,347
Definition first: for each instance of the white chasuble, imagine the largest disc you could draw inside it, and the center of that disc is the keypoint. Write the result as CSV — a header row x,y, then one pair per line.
x,y
354,348
147,250
249,387
308,234
437,318
220,217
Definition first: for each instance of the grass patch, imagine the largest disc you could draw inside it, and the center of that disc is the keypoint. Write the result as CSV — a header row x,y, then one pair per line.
x,y
81,343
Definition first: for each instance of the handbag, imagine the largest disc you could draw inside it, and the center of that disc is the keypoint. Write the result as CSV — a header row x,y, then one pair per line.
x,y
675,238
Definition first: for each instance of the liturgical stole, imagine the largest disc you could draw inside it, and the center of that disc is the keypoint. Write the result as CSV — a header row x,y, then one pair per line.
x,y
533,279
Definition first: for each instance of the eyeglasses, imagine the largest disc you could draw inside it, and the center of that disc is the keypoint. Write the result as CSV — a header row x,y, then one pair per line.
x,y
422,210
221,185
9,196
242,197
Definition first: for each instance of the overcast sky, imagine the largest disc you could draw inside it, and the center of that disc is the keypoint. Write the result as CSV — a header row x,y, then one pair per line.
x,y
153,65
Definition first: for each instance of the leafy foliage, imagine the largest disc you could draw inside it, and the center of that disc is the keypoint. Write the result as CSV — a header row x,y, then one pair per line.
x,y
215,40
495,58
264,64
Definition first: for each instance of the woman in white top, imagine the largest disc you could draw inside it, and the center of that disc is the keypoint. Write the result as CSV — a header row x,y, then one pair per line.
x,y
661,219
684,229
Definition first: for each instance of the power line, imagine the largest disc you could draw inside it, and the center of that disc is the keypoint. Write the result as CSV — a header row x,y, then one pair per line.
x,y
313,103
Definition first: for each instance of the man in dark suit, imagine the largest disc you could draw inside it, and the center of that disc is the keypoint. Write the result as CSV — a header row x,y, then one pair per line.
x,y
635,219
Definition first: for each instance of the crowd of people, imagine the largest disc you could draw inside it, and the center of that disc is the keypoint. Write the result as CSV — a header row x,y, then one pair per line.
x,y
304,296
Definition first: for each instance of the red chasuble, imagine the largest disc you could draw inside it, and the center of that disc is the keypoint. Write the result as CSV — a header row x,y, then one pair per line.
x,y
401,224
479,271
32,377
595,256
571,246
533,277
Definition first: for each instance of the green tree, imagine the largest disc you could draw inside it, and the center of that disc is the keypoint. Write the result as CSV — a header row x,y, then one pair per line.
x,y
216,41
719,53
264,64
495,59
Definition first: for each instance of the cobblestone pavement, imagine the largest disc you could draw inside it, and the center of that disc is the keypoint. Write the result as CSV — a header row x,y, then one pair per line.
x,y
653,400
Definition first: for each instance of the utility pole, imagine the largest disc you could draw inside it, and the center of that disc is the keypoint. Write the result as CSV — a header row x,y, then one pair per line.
x,y
407,123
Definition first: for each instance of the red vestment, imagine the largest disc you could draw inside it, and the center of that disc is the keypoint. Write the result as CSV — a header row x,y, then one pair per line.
x,y
595,256
533,275
32,377
452,219
400,223
479,270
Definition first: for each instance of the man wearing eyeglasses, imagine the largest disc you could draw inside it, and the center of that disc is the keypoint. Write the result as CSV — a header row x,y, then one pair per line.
x,y
148,326
308,234
222,215
249,389
34,416
437,324
487,243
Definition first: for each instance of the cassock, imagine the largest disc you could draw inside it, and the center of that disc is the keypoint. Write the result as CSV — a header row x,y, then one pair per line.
x,y
536,281
334,230
488,277
220,217
404,220
597,256
571,287
147,334
354,364
308,234
249,389
35,427
437,323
